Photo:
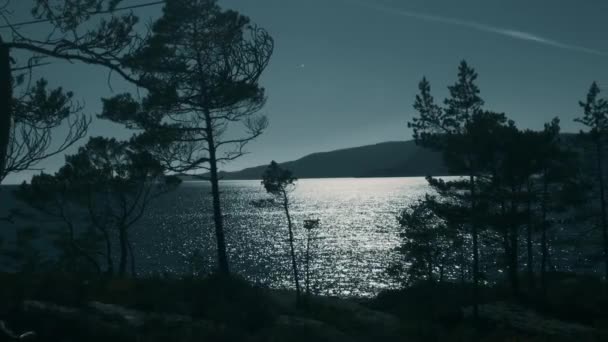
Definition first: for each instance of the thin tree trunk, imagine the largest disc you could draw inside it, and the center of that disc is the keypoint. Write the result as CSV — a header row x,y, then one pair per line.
x,y
103,229
76,249
513,261
429,268
291,245
6,109
514,241
124,251
463,264
543,242
475,233
132,255
506,243
529,247
603,204
308,263
462,257
109,259
218,219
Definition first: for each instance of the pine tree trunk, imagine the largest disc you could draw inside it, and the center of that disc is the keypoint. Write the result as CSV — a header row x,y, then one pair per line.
x,y
76,249
513,261
124,251
6,109
529,247
109,259
475,233
463,264
506,241
308,263
429,268
132,255
218,219
600,171
543,242
514,242
291,245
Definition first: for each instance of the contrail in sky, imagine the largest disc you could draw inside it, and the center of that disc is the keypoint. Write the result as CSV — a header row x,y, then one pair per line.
x,y
530,37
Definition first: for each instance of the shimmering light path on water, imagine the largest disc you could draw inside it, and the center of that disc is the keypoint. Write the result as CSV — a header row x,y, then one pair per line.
x,y
355,241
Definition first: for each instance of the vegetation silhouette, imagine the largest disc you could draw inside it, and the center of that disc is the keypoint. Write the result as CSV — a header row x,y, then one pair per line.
x,y
595,118
280,183
518,183
312,228
431,248
30,113
458,132
474,258
202,67
111,185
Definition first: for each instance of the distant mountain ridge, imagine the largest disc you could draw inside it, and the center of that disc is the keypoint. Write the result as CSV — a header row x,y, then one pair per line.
x,y
387,159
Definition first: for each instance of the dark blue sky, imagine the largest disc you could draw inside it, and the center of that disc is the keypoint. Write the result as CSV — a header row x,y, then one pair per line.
x,y
345,72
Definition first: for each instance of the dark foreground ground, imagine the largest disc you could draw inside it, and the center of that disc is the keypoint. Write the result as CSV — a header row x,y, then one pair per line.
x,y
65,308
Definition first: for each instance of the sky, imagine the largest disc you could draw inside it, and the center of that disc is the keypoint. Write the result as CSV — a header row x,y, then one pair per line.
x,y
345,72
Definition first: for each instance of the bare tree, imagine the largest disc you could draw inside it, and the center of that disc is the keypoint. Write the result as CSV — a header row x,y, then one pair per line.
x,y
202,66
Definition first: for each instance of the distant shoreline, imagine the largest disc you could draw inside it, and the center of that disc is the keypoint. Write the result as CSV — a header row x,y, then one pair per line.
x,y
196,179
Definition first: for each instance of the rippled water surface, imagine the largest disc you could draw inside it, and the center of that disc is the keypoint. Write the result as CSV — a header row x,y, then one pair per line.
x,y
354,243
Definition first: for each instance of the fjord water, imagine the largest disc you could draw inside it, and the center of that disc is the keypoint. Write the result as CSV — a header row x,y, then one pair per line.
x,y
353,246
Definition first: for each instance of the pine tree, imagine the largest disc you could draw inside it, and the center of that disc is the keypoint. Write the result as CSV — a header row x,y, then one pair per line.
x,y
29,115
202,66
280,183
595,118
465,134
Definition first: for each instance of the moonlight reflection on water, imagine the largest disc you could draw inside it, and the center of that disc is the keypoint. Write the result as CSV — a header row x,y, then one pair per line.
x,y
356,237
